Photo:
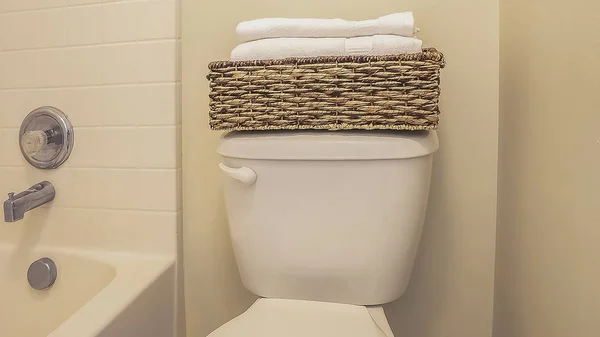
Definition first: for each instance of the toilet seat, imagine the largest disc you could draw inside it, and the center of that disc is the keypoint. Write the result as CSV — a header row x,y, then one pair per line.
x,y
270,317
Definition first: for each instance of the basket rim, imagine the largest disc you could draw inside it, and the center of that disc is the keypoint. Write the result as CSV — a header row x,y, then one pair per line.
x,y
428,54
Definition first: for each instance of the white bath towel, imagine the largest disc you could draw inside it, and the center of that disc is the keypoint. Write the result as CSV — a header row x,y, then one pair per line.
x,y
402,24
280,48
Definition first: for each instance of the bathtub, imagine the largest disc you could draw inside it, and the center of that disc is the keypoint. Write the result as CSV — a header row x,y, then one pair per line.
x,y
96,294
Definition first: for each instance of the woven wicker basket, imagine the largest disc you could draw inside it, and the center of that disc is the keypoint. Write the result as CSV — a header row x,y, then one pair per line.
x,y
397,92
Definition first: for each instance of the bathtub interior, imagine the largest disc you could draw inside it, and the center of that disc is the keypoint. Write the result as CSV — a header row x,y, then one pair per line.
x,y
25,311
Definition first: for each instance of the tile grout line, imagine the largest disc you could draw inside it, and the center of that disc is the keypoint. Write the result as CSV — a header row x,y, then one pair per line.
x,y
94,86
116,209
112,169
108,127
67,6
97,45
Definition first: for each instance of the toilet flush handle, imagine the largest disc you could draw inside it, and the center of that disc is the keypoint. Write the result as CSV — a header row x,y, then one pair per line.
x,y
243,174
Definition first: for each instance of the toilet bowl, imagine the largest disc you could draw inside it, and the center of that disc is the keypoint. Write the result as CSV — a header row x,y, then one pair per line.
x,y
296,318
324,226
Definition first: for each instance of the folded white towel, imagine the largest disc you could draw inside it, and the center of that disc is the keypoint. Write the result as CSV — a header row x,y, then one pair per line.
x,y
402,24
304,47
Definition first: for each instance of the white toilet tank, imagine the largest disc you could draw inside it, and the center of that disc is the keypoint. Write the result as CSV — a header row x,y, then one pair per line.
x,y
327,216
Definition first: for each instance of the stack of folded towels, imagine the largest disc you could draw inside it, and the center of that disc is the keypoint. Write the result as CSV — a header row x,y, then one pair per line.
x,y
279,38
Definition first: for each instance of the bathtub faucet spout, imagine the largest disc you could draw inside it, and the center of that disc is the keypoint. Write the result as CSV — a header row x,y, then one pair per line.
x,y
18,204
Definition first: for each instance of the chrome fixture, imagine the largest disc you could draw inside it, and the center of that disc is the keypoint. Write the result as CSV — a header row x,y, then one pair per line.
x,y
46,138
42,274
37,195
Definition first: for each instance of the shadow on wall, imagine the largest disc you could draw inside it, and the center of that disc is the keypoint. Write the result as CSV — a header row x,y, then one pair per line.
x,y
411,314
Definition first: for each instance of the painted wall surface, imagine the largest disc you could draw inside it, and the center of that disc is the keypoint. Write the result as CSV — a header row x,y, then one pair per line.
x,y
451,293
548,257
112,67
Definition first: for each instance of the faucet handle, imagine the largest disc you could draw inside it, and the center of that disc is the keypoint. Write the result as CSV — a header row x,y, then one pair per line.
x,y
33,142
11,196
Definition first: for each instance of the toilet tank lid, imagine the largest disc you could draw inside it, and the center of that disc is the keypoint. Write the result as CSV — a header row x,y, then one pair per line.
x,y
328,145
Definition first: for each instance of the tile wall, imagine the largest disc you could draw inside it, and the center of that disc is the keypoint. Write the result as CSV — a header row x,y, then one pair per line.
x,y
112,67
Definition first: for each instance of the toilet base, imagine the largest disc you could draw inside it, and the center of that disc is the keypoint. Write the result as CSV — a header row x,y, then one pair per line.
x,y
269,317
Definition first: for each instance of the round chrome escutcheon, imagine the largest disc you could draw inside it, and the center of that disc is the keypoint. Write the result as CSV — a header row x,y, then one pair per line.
x,y
46,138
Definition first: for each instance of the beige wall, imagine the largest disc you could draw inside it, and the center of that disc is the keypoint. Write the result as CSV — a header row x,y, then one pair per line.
x,y
548,258
452,288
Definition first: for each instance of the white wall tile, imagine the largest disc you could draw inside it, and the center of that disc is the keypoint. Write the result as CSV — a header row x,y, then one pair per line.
x,y
86,2
48,68
33,69
128,147
120,63
85,25
158,61
34,29
178,17
136,189
179,196
10,155
123,105
113,147
157,20
120,21
71,227
147,62
111,66
20,5
178,64
152,104
178,99
14,106
83,67
179,146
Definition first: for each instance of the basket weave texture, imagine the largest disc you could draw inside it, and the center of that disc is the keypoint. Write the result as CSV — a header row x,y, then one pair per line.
x,y
395,92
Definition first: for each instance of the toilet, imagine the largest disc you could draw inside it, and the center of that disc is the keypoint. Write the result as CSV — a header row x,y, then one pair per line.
x,y
324,226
